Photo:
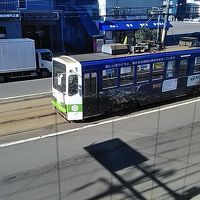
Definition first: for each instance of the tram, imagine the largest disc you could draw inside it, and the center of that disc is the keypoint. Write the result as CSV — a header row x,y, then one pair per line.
x,y
88,85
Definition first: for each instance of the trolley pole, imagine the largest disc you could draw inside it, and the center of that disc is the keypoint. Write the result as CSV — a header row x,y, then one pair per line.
x,y
166,15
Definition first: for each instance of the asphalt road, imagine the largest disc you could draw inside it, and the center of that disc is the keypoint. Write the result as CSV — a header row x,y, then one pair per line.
x,y
152,154
26,87
183,27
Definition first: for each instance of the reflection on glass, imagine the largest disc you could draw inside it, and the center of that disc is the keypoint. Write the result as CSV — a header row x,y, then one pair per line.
x,y
73,85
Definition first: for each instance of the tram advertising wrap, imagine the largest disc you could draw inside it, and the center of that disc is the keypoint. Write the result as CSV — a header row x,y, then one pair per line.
x,y
88,85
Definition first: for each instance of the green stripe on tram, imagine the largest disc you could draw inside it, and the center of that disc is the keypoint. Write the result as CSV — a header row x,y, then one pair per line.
x,y
59,106
68,108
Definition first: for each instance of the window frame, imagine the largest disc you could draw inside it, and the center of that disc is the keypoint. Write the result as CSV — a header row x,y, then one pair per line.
x,y
115,78
84,83
76,88
22,3
91,83
173,69
196,63
185,70
58,69
158,70
149,67
90,92
129,75
46,56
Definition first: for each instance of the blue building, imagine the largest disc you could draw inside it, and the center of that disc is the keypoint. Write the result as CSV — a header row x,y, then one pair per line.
x,y
33,19
59,25
79,27
188,9
70,26
10,20
181,10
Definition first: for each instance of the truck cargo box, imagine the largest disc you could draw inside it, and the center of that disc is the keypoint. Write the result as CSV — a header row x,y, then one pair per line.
x,y
17,55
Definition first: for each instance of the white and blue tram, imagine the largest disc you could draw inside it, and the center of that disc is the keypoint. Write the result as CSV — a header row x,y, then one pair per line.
x,y
90,84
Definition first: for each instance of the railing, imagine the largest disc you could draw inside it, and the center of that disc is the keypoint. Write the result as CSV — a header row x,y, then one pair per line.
x,y
128,13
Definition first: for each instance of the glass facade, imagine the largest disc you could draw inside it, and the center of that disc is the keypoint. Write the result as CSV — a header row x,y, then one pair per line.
x,y
70,26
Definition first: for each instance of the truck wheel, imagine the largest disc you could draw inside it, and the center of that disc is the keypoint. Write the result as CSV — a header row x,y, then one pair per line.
x,y
2,78
44,73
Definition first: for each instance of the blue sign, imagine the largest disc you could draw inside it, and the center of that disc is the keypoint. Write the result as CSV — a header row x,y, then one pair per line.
x,y
130,25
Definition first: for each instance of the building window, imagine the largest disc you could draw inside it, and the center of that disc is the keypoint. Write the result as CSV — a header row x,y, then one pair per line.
x,y
23,4
2,32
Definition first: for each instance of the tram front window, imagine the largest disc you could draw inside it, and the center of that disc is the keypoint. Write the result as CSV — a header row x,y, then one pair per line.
x,y
59,76
73,85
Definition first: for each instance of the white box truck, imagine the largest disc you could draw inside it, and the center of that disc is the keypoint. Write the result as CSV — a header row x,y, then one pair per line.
x,y
19,58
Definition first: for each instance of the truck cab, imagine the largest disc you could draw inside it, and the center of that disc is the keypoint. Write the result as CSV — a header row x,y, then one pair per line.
x,y
44,62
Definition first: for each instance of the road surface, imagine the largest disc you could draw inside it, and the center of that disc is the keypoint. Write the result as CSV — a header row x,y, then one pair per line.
x,y
147,155
150,154
25,88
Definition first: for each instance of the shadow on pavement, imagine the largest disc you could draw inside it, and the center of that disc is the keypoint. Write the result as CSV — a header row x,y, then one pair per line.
x,y
115,155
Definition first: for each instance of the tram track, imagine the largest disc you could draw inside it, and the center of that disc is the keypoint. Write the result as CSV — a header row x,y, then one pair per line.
x,y
38,115
27,115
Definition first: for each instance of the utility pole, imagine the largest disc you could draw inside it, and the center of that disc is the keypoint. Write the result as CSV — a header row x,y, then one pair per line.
x,y
158,11
166,15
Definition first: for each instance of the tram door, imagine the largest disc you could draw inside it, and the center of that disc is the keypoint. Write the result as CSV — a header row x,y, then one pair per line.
x,y
90,94
182,76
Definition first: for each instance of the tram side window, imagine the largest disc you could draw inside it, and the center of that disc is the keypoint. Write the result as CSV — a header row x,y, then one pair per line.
x,y
86,84
143,72
109,78
157,70
170,71
126,75
93,83
73,85
59,76
197,65
183,67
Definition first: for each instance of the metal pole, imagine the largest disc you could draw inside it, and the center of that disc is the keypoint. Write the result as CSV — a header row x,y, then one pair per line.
x,y
166,14
158,29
